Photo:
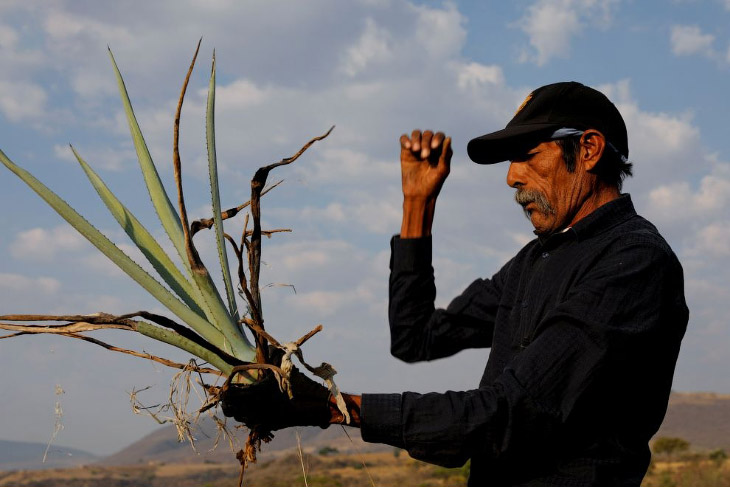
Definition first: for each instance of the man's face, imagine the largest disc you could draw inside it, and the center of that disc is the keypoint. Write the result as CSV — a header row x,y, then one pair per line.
x,y
550,195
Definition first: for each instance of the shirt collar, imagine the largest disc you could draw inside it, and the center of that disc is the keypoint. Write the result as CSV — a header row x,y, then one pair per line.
x,y
603,218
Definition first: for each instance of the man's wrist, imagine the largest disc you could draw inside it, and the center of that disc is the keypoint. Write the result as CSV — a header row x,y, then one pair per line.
x,y
417,216
352,402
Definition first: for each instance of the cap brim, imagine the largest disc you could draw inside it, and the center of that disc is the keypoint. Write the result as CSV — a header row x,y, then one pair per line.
x,y
507,143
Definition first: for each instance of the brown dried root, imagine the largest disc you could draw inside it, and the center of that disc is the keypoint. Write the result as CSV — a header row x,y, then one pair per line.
x,y
253,290
206,223
282,373
176,410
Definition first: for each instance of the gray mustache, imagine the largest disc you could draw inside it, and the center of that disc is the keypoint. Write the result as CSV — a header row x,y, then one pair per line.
x,y
526,196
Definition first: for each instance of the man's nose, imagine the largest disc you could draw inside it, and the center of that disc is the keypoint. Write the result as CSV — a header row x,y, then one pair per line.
x,y
515,174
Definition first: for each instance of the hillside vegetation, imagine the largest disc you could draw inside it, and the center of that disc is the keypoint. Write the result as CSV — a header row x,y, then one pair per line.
x,y
328,468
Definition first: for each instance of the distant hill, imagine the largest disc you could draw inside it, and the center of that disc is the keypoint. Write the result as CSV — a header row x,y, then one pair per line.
x,y
19,455
163,446
703,419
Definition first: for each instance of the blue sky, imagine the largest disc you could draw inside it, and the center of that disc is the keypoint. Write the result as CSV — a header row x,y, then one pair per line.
x,y
287,71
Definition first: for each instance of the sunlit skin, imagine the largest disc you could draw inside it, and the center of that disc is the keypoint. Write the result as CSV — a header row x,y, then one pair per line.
x,y
571,195
425,160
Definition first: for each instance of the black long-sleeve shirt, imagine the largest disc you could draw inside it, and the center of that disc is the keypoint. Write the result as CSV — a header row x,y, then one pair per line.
x,y
584,329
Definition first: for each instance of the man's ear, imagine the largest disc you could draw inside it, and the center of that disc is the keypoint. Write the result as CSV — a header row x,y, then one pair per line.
x,y
592,145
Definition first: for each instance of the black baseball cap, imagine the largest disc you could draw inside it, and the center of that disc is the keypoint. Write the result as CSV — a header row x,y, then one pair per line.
x,y
545,110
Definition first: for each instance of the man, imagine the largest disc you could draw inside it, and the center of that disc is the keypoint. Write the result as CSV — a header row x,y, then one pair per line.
x,y
584,323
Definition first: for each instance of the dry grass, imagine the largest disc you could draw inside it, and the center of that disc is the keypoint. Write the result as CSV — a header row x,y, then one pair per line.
x,y
692,472
326,470
331,470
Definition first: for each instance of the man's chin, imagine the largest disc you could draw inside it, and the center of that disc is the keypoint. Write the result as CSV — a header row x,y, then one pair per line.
x,y
541,228
539,220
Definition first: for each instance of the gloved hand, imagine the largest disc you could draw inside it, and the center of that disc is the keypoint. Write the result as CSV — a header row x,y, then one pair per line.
x,y
263,406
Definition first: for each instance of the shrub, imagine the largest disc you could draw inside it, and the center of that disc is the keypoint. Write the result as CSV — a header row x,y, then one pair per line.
x,y
670,445
327,450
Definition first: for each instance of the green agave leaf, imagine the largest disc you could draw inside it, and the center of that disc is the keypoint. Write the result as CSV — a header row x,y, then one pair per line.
x,y
165,211
172,338
170,220
215,194
142,239
238,341
122,260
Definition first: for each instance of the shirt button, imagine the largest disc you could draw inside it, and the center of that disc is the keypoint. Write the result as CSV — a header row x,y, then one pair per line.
x,y
524,304
545,255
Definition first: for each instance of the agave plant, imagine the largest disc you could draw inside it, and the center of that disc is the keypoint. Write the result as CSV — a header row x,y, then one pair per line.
x,y
208,325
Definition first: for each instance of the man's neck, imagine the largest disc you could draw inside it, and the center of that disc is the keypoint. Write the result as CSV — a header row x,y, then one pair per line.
x,y
595,200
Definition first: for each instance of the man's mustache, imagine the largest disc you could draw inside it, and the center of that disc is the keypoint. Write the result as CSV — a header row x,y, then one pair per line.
x,y
526,196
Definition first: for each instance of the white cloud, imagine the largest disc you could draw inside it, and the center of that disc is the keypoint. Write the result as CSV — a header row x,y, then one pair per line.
x,y
18,60
303,257
431,35
380,3
689,39
8,37
46,245
380,217
62,27
330,277
474,75
43,244
239,94
350,166
660,143
678,201
90,84
102,266
312,257
440,32
334,212
521,239
324,303
551,25
364,91
371,47
24,284
21,101
712,241
99,158
105,304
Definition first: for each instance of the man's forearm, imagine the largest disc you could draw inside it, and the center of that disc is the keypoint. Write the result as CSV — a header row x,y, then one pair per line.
x,y
417,217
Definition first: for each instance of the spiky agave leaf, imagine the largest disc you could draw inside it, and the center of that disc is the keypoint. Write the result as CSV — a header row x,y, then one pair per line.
x,y
142,238
124,262
165,211
175,339
210,299
215,193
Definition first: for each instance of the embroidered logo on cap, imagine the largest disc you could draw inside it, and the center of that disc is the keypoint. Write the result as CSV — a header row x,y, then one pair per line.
x,y
529,97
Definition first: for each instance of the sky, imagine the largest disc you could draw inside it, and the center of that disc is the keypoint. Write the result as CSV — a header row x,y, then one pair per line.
x,y
287,71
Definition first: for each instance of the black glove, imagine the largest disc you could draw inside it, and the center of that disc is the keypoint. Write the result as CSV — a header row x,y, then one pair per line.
x,y
264,407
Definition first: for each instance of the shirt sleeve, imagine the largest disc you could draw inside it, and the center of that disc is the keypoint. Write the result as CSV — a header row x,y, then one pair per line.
x,y
587,371
420,332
